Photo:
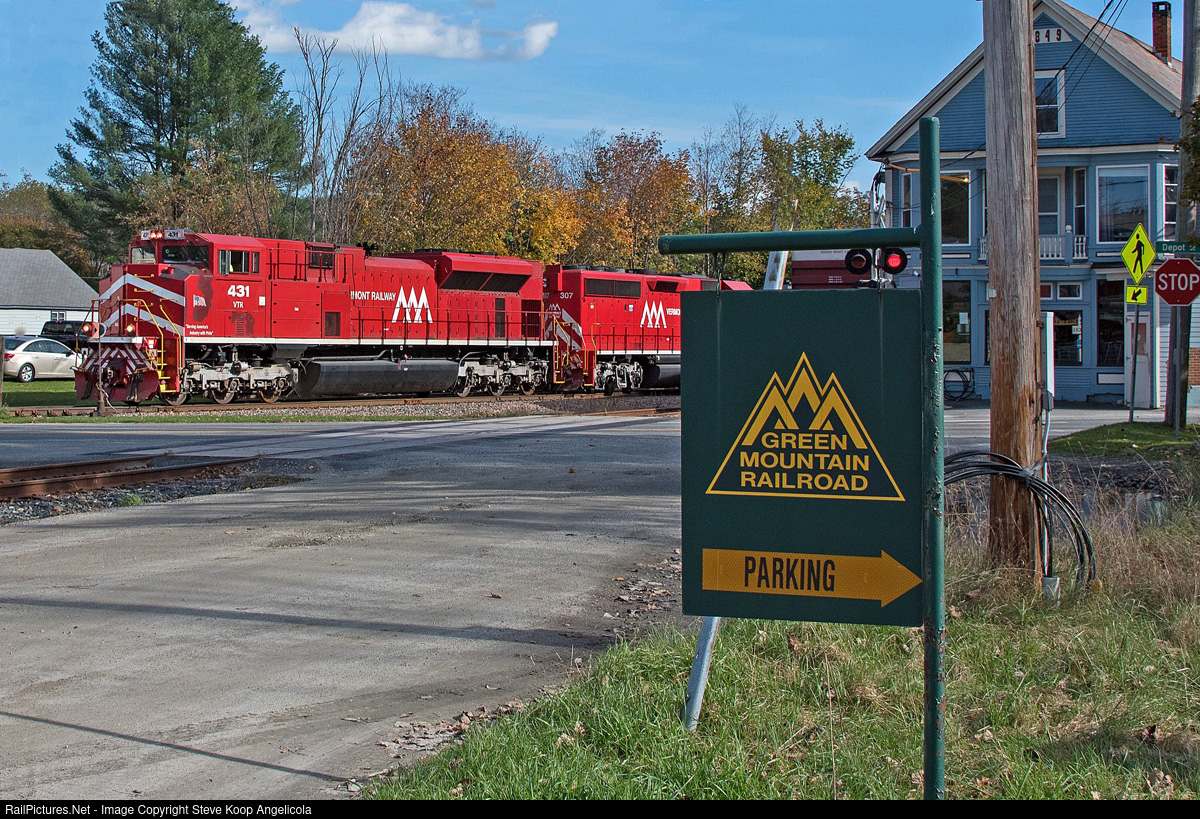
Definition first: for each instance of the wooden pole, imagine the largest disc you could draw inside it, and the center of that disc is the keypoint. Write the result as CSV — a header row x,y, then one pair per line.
x,y
1013,274
1181,317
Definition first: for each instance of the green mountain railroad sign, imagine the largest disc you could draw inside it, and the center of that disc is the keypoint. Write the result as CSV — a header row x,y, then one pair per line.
x,y
802,455
1138,254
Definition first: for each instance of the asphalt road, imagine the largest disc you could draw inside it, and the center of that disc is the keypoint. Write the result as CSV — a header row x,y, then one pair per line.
x,y
262,644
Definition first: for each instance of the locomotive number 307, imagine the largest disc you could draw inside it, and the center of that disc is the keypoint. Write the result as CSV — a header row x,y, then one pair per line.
x,y
239,291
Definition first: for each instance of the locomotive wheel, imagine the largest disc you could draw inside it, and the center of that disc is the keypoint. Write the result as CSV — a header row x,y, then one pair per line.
x,y
527,388
463,389
225,396
176,399
496,388
610,385
270,395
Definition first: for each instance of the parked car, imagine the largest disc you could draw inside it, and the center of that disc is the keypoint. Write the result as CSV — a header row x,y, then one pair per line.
x,y
74,334
30,357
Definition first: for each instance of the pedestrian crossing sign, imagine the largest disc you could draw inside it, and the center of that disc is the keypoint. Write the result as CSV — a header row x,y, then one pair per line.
x,y
1138,254
1135,294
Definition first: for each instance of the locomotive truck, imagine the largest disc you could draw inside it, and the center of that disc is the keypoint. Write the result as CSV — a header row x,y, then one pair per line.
x,y
197,314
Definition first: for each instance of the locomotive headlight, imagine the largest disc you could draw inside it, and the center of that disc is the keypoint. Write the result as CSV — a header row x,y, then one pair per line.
x,y
129,328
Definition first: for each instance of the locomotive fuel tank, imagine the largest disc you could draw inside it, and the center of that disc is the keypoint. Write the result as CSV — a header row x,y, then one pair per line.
x,y
375,377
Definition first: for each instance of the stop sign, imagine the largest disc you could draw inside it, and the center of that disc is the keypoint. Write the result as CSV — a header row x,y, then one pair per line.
x,y
1177,282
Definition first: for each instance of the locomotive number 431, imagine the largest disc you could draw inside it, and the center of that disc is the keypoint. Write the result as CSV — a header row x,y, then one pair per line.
x,y
239,291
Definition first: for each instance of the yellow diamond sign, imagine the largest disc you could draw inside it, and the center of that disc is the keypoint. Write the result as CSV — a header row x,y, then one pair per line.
x,y
1138,253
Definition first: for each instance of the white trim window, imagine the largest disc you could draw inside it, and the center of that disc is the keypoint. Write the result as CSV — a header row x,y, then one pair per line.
x,y
1170,200
906,200
1122,201
1049,95
1079,209
956,207
1048,210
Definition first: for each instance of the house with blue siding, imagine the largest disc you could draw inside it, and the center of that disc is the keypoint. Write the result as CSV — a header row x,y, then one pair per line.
x,y
1107,114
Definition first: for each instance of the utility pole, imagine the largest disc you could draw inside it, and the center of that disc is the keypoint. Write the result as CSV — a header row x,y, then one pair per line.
x,y
1181,317
1013,275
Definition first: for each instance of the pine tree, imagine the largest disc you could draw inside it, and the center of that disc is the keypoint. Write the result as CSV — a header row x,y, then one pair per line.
x,y
172,78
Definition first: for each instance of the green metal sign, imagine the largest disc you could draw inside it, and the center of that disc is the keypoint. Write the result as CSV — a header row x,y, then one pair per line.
x,y
1179,248
802,455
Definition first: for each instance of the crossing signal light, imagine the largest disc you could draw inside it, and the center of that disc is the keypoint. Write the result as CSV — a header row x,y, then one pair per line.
x,y
859,262
893,260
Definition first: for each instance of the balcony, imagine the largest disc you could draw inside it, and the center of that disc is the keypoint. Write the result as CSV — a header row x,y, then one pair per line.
x,y
1060,247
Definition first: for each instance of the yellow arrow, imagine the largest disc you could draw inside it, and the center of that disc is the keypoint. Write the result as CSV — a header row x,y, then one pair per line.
x,y
849,577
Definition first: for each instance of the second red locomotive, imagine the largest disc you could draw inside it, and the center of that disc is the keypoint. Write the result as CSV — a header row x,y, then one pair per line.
x,y
193,314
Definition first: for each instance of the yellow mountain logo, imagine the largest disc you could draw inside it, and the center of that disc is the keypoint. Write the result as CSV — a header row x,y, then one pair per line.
x,y
804,440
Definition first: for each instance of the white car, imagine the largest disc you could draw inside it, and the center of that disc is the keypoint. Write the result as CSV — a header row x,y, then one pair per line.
x,y
28,357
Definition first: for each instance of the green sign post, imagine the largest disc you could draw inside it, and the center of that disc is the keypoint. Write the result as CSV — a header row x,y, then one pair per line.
x,y
813,444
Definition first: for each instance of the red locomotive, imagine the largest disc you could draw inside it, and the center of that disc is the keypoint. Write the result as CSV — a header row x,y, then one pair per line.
x,y
228,316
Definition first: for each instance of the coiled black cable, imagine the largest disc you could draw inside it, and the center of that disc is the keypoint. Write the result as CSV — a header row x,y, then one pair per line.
x,y
1050,505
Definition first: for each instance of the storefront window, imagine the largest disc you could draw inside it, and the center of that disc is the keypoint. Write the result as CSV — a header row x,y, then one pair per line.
x,y
956,322
1068,338
1110,323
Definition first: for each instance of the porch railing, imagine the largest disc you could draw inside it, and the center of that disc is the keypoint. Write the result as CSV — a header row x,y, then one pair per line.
x,y
1057,247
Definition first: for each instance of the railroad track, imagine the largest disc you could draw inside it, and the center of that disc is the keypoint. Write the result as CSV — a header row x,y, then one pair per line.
x,y
49,479
65,411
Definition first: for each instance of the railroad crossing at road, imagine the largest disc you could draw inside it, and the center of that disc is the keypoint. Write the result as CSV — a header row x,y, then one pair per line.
x,y
261,643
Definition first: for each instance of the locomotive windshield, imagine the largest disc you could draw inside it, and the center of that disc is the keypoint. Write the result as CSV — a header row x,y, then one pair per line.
x,y
185,254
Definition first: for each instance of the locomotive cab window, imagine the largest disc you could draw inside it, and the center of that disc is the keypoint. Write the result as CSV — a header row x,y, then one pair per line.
x,y
141,255
665,287
612,287
185,254
321,259
237,261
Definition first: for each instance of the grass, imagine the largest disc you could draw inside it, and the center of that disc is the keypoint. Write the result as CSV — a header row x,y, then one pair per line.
x,y
1096,696
41,393
1152,441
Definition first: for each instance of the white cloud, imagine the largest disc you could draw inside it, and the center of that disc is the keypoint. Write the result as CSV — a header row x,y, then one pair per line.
x,y
404,29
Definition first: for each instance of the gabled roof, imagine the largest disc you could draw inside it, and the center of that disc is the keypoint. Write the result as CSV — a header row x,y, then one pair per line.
x,y
38,278
1129,55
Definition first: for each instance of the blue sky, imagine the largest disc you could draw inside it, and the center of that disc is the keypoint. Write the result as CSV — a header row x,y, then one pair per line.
x,y
558,68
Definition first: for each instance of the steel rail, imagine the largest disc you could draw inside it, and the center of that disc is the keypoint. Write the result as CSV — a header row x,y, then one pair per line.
x,y
37,481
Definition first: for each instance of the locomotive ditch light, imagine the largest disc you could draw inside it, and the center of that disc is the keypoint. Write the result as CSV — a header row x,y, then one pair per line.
x,y
892,260
859,261
129,328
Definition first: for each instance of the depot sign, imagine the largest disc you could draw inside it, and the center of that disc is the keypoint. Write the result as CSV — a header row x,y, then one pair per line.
x,y
1177,282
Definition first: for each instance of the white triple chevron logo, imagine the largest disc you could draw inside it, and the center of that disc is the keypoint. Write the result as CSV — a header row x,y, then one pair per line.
x,y
653,316
412,304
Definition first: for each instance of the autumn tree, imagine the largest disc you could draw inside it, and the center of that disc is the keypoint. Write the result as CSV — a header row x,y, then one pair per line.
x,y
756,176
29,220
804,173
441,178
633,192
546,220
171,74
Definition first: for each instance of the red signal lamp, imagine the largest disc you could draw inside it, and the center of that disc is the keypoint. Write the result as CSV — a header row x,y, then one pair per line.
x,y
893,260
